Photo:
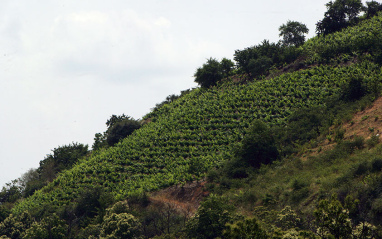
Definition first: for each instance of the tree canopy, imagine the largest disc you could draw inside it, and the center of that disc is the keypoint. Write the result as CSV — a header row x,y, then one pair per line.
x,y
340,14
293,33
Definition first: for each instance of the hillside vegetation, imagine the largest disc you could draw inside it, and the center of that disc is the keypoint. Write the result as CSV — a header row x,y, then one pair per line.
x,y
204,136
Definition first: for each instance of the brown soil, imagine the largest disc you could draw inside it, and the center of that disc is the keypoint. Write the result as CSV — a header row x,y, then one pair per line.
x,y
365,123
185,198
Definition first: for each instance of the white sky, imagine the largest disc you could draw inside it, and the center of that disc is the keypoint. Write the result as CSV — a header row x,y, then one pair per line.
x,y
66,66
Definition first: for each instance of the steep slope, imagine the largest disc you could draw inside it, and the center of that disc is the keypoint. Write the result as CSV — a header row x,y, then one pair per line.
x,y
192,134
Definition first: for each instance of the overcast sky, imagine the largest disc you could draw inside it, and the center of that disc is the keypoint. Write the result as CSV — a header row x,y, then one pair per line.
x,y
66,66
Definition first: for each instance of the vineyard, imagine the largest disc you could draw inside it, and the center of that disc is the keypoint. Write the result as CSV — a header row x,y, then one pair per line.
x,y
353,41
191,135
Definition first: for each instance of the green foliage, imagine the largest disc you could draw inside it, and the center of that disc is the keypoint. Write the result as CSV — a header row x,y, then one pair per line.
x,y
372,141
63,157
209,74
4,212
210,219
372,8
247,229
15,225
258,146
99,141
353,90
353,41
257,60
49,227
304,124
213,71
120,225
332,217
340,14
11,192
121,130
116,119
90,203
293,33
118,127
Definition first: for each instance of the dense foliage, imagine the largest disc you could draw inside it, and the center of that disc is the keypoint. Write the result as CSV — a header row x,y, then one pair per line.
x,y
340,14
213,71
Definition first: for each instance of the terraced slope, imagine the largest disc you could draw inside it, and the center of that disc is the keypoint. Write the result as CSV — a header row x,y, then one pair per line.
x,y
187,137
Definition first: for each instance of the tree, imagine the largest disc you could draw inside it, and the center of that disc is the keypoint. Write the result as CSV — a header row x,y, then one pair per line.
x,y
293,33
30,182
259,66
118,127
339,14
353,90
63,157
258,146
115,119
14,225
120,225
247,229
11,192
49,227
226,67
121,130
333,219
210,219
209,74
372,8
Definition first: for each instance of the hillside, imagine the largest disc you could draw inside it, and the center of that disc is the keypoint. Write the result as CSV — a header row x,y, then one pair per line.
x,y
188,136
197,134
